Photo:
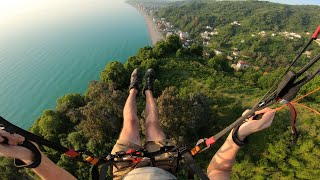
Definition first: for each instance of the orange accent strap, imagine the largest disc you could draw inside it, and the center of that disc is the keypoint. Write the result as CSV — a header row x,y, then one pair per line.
x,y
298,99
309,108
92,160
195,150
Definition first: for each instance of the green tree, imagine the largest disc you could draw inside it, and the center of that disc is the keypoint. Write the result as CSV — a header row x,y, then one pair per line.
x,y
114,73
196,49
185,115
220,63
173,43
70,101
160,49
150,63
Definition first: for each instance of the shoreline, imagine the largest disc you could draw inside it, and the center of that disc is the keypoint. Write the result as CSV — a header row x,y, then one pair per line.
x,y
153,31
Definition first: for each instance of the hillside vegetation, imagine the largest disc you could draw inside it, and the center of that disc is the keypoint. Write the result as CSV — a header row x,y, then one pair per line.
x,y
259,31
197,96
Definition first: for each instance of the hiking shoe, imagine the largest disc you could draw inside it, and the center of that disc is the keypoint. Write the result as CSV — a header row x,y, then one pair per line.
x,y
135,79
149,77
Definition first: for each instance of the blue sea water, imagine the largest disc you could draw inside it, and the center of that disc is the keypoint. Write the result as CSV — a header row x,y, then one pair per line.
x,y
58,48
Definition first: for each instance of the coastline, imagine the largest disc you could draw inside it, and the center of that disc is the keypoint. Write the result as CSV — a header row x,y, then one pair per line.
x,y
153,31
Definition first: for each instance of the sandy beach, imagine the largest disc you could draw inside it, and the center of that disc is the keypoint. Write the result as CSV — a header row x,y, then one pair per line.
x,y
153,30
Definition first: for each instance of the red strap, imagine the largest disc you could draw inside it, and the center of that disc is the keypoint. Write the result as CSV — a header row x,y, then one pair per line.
x,y
130,151
210,141
293,117
72,153
316,33
294,129
136,160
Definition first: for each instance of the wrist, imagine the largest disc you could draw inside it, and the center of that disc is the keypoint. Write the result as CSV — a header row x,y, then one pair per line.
x,y
35,157
243,132
241,135
239,138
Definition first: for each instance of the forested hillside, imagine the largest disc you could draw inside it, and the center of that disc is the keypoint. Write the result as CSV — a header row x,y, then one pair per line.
x,y
263,34
197,96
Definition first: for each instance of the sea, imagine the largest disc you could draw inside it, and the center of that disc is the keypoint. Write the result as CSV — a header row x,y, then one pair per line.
x,y
52,48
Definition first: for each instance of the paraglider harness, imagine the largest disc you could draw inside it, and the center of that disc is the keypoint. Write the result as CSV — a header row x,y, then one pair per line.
x,y
283,91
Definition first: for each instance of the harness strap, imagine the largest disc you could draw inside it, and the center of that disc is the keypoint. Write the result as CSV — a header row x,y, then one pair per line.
x,y
36,156
192,163
104,169
37,139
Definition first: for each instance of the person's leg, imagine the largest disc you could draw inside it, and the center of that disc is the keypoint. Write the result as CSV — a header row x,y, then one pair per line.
x,y
130,129
152,124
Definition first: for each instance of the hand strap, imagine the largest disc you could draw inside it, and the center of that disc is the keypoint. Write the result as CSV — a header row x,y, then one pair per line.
x,y
36,156
235,137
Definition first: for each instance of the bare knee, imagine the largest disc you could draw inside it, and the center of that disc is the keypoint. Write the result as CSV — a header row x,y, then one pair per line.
x,y
152,125
154,131
130,122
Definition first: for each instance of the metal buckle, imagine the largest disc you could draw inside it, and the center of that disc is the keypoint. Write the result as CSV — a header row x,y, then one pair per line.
x,y
182,149
202,142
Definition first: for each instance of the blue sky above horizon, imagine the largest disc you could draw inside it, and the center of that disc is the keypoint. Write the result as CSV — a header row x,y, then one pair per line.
x,y
297,2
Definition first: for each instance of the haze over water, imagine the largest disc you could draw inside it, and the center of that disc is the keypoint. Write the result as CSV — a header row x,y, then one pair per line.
x,y
51,48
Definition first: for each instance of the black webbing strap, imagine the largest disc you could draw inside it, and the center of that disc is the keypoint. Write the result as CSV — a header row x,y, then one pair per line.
x,y
104,169
11,128
30,136
192,163
36,156
100,175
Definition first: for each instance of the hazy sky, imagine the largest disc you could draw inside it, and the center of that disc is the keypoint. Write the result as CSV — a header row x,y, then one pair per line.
x,y
24,8
18,13
9,8
294,2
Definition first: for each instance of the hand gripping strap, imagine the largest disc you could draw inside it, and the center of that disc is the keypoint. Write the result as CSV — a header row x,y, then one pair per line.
x,y
236,139
36,156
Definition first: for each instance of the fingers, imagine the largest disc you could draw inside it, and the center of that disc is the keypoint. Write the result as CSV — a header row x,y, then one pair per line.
x,y
267,118
13,139
16,152
265,110
11,149
262,111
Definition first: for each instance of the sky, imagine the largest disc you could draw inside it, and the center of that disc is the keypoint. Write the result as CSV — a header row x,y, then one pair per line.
x,y
18,13
9,8
14,7
297,2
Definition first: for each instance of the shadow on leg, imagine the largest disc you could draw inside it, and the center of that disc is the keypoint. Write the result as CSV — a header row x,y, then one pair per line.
x,y
152,124
130,130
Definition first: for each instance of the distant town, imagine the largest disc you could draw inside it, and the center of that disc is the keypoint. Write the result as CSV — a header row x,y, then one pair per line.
x,y
167,28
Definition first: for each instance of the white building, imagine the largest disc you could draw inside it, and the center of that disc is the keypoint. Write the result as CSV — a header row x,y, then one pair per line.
x,y
217,52
236,23
262,33
183,35
242,65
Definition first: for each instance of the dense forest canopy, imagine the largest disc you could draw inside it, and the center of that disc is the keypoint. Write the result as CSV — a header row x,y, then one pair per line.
x,y
264,34
198,95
